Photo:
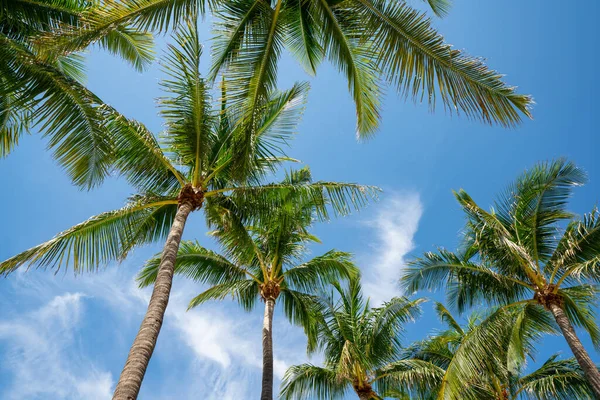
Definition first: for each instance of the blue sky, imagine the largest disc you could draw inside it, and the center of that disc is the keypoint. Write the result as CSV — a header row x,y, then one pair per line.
x,y
65,337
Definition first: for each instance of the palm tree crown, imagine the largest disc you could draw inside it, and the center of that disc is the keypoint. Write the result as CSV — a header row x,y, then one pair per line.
x,y
264,261
196,162
361,347
499,372
523,252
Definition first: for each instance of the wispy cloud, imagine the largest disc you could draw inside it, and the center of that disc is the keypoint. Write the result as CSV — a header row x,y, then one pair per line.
x,y
42,356
395,225
215,349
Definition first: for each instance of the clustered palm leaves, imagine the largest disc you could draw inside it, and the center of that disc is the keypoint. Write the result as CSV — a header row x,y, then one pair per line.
x,y
371,42
193,164
530,260
500,376
264,261
528,250
41,87
361,347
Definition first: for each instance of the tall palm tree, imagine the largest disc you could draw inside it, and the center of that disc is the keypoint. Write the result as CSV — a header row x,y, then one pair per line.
x,y
527,250
361,346
264,261
42,86
369,41
503,378
192,164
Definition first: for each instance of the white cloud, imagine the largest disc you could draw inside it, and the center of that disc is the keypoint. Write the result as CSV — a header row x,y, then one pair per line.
x,y
41,357
48,355
395,225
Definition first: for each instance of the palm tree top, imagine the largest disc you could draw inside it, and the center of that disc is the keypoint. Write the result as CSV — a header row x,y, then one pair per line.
x,y
527,250
196,160
361,347
476,369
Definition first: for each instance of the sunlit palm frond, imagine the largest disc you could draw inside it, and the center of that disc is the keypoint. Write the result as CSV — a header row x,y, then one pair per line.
x,y
197,263
303,34
101,239
556,379
139,157
245,292
319,383
187,105
319,272
533,205
341,43
65,111
414,376
415,58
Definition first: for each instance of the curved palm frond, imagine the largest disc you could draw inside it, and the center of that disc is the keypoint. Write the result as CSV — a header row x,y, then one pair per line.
x,y
303,380
317,273
102,238
63,109
414,57
417,377
244,291
556,379
139,156
197,263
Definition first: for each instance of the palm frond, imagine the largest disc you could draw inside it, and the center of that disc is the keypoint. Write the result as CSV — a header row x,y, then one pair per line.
x,y
303,34
65,111
302,309
415,58
342,45
101,239
307,380
556,379
412,376
245,292
317,273
580,306
197,263
139,157
187,106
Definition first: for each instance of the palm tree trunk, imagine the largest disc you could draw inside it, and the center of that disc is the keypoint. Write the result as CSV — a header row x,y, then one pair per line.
x,y
267,338
585,362
131,378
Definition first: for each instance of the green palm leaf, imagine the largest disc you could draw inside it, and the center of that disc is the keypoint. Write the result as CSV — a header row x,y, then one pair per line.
x,y
101,239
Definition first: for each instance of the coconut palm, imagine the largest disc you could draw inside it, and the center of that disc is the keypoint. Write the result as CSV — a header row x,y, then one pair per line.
x,y
369,41
361,346
42,87
446,350
264,261
527,250
191,165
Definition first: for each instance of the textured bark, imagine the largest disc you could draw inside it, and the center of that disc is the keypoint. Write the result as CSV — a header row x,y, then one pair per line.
x,y
364,396
585,362
267,337
143,346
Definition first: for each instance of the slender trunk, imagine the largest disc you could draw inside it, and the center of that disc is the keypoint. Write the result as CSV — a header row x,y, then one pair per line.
x,y
130,381
585,362
267,338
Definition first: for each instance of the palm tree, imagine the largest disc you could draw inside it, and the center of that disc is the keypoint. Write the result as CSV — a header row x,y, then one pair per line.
x,y
522,252
40,85
502,378
264,262
361,347
369,41
193,164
